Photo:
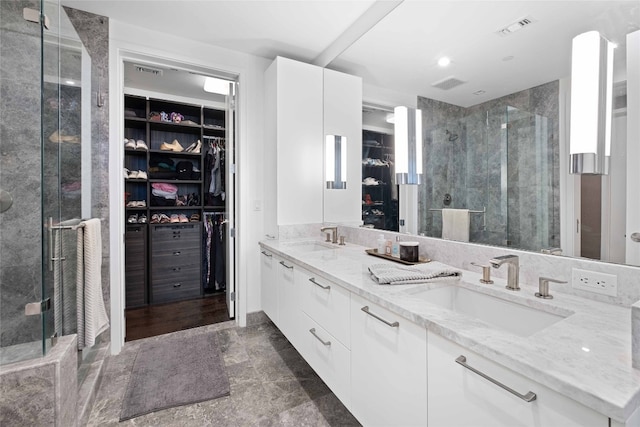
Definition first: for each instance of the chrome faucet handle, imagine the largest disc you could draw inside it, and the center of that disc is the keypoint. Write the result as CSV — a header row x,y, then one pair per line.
x,y
328,239
543,287
486,273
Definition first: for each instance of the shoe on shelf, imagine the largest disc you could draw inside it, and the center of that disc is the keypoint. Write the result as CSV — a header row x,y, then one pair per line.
x,y
194,148
133,175
142,175
130,143
183,218
141,145
175,218
194,217
174,146
133,219
164,219
142,219
126,173
155,219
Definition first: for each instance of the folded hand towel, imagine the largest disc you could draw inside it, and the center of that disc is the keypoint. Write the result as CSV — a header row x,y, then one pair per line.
x,y
455,224
389,274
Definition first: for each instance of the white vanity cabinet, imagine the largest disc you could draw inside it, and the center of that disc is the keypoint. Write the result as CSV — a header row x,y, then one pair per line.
x,y
325,328
388,367
288,292
460,397
268,289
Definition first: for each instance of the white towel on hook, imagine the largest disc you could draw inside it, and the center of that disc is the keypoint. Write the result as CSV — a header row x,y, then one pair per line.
x,y
455,224
92,314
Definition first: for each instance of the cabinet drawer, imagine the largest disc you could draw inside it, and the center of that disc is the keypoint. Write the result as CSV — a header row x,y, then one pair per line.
x,y
170,234
327,304
170,274
135,265
460,397
167,291
327,356
175,257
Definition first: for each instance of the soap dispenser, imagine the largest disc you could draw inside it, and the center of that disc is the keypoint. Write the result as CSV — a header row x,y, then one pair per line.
x,y
382,243
395,248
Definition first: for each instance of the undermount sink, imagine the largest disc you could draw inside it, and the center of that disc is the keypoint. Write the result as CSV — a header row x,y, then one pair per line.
x,y
506,315
310,246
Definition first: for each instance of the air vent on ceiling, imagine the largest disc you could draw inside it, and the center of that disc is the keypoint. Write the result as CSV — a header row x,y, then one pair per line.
x,y
145,69
447,83
515,26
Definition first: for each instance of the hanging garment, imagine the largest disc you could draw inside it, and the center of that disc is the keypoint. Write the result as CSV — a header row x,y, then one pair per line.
x,y
220,270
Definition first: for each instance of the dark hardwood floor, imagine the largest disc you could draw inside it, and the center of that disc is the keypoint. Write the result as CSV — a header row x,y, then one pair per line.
x,y
155,320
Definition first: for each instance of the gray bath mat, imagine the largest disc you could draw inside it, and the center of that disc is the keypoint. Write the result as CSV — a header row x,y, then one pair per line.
x,y
173,372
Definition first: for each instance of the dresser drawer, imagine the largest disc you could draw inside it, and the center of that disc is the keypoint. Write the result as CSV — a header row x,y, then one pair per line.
x,y
174,234
167,291
175,257
326,303
162,273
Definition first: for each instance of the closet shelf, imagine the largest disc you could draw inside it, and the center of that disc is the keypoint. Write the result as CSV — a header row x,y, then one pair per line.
x,y
172,208
176,153
176,181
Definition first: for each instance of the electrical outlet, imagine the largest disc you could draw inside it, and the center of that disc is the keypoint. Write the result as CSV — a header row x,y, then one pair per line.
x,y
593,281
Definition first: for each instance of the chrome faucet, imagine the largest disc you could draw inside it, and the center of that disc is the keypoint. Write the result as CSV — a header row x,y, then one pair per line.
x,y
334,233
513,264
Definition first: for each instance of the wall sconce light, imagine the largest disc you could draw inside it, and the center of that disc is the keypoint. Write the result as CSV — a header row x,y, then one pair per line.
x,y
336,162
408,142
591,104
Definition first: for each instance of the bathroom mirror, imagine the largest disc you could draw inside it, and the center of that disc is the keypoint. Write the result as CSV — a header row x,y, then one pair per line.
x,y
495,119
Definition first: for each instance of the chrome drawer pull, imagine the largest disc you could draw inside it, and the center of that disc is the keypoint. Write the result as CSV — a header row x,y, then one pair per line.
x,y
266,254
313,332
366,310
177,285
529,397
176,253
313,280
177,268
285,265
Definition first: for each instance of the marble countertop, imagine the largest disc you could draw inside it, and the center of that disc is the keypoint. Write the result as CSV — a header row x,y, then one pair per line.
x,y
585,356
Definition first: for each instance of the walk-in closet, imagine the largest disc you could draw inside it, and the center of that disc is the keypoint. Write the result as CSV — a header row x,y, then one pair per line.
x,y
178,202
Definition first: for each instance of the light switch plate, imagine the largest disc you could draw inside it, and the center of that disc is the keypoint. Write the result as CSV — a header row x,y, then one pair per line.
x,y
592,281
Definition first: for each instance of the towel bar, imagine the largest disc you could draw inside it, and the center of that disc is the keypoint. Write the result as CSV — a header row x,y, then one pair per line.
x,y
483,212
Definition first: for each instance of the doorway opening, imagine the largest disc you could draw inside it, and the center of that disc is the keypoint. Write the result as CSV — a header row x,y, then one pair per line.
x,y
179,189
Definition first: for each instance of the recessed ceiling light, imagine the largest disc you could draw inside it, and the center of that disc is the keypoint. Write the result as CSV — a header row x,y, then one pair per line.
x,y
444,61
479,92
70,82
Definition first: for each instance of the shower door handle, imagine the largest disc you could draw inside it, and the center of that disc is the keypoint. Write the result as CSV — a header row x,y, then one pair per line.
x,y
34,308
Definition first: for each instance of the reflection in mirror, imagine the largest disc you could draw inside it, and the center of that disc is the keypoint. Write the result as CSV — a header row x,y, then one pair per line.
x,y
496,127
502,155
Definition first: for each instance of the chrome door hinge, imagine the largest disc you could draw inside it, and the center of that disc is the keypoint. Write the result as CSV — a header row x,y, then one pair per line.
x,y
34,308
232,168
232,296
232,232
33,15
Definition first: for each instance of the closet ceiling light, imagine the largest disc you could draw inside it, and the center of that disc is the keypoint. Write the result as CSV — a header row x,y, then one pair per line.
x,y
336,162
408,145
215,85
444,62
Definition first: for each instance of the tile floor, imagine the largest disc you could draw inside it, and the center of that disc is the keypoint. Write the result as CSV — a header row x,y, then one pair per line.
x,y
271,385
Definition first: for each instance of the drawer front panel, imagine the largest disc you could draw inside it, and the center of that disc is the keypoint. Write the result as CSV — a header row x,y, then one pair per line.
x,y
175,257
328,357
169,235
174,290
326,303
458,396
171,274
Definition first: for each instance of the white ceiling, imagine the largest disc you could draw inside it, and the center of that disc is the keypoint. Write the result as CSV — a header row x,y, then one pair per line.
x,y
400,51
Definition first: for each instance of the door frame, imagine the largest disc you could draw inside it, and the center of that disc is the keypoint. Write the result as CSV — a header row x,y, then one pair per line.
x,y
117,59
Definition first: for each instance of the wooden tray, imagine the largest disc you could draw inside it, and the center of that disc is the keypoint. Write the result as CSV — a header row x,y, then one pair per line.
x,y
374,252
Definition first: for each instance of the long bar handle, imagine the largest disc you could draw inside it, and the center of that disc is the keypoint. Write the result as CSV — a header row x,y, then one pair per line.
x,y
529,397
285,265
313,280
386,322
266,254
313,332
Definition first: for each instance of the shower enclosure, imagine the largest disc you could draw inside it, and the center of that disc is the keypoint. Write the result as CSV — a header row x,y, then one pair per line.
x,y
45,173
501,161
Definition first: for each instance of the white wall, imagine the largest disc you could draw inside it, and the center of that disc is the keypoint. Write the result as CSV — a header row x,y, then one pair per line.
x,y
127,41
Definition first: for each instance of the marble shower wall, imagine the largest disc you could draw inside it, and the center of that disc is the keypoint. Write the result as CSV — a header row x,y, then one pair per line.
x,y
21,159
465,149
20,165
